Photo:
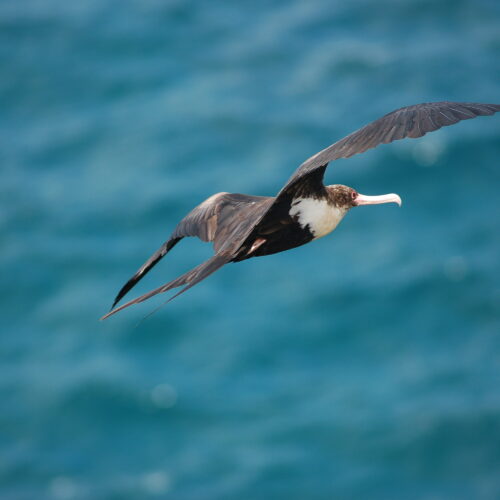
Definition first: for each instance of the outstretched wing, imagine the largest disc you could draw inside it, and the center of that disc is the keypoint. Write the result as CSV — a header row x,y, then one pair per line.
x,y
411,121
216,219
190,279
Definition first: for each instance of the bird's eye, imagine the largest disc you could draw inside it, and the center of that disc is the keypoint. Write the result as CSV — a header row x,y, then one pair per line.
x,y
354,195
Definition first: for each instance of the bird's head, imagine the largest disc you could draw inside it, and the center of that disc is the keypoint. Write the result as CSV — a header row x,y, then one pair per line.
x,y
346,197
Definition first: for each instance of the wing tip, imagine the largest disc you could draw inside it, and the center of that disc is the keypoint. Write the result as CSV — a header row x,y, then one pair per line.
x,y
107,315
114,311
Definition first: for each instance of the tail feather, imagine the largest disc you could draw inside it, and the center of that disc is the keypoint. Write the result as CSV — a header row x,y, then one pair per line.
x,y
190,279
145,268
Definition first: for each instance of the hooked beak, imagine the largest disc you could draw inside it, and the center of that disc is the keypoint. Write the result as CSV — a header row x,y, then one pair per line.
x,y
361,199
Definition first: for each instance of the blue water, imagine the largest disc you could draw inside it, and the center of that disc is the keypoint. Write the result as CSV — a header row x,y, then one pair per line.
x,y
365,365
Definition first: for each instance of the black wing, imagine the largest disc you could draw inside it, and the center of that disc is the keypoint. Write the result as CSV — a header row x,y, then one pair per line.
x,y
219,218
411,121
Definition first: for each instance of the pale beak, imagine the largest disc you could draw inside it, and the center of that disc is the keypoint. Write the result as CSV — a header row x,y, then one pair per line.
x,y
361,199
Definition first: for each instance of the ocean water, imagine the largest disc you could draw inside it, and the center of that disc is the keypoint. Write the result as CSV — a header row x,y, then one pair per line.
x,y
365,365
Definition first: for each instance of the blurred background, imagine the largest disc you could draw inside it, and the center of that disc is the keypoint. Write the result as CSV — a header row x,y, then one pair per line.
x,y
363,366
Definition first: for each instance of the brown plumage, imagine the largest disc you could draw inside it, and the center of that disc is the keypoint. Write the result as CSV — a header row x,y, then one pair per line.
x,y
243,226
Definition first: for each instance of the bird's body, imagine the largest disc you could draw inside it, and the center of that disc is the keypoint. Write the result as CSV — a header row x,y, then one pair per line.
x,y
244,226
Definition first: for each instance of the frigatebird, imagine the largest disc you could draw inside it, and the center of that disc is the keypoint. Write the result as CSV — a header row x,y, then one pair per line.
x,y
242,226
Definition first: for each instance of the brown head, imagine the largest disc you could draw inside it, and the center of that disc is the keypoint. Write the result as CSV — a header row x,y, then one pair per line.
x,y
346,197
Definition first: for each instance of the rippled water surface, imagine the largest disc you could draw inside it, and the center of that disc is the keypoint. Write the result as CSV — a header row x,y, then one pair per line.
x,y
363,366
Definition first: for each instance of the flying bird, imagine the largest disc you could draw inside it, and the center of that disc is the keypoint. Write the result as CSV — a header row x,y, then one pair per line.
x,y
242,226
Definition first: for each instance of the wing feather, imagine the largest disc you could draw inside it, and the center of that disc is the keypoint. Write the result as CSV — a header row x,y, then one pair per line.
x,y
190,279
218,219
199,222
411,121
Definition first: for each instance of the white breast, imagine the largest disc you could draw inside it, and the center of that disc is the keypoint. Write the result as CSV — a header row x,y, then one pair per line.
x,y
321,217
